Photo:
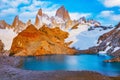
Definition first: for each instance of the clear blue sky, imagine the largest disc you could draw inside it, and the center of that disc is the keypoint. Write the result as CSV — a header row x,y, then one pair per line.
x,y
105,11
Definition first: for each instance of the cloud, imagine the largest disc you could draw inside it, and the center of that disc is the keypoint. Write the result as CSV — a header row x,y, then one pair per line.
x,y
116,17
25,16
29,9
35,5
10,7
108,17
106,13
12,3
111,3
25,9
8,11
76,15
23,5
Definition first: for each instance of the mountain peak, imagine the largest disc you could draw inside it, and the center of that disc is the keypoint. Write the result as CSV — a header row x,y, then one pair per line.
x,y
37,17
62,7
18,25
28,22
40,12
15,22
3,24
30,28
63,13
3,21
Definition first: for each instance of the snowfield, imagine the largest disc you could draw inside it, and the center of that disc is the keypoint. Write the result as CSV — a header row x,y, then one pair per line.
x,y
83,39
7,35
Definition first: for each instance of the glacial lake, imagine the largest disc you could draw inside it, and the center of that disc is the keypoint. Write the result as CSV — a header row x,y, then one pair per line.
x,y
80,62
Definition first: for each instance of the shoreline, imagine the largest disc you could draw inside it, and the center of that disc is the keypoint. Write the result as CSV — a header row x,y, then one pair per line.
x,y
9,71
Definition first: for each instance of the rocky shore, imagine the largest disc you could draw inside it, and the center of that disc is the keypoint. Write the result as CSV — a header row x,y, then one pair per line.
x,y
108,43
9,70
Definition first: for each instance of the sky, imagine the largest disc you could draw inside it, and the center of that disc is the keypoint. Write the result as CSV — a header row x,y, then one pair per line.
x,y
105,11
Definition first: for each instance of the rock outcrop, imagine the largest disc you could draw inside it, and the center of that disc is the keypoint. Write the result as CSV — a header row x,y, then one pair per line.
x,y
94,23
1,46
37,20
82,20
42,19
4,25
28,23
34,42
115,59
63,13
18,25
110,42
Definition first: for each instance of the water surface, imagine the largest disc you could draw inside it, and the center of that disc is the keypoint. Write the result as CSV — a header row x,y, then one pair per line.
x,y
72,63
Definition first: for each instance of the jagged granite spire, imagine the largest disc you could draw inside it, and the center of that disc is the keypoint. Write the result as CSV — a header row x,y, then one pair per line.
x,y
16,20
37,17
62,13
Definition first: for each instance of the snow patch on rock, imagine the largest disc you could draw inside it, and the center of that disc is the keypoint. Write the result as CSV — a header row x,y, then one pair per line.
x,y
115,49
105,51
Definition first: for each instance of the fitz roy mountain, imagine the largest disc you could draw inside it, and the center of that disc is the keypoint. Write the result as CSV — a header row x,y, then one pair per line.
x,y
58,34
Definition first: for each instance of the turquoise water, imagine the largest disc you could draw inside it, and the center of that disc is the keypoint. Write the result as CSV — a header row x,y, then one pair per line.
x,y
72,63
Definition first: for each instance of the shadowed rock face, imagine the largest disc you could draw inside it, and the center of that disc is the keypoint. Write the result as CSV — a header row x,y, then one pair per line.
x,y
62,13
111,40
1,46
33,42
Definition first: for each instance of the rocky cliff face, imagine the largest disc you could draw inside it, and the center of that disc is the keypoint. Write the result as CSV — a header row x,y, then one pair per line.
x,y
47,34
110,42
3,24
33,42
37,20
18,25
42,19
61,20
63,13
